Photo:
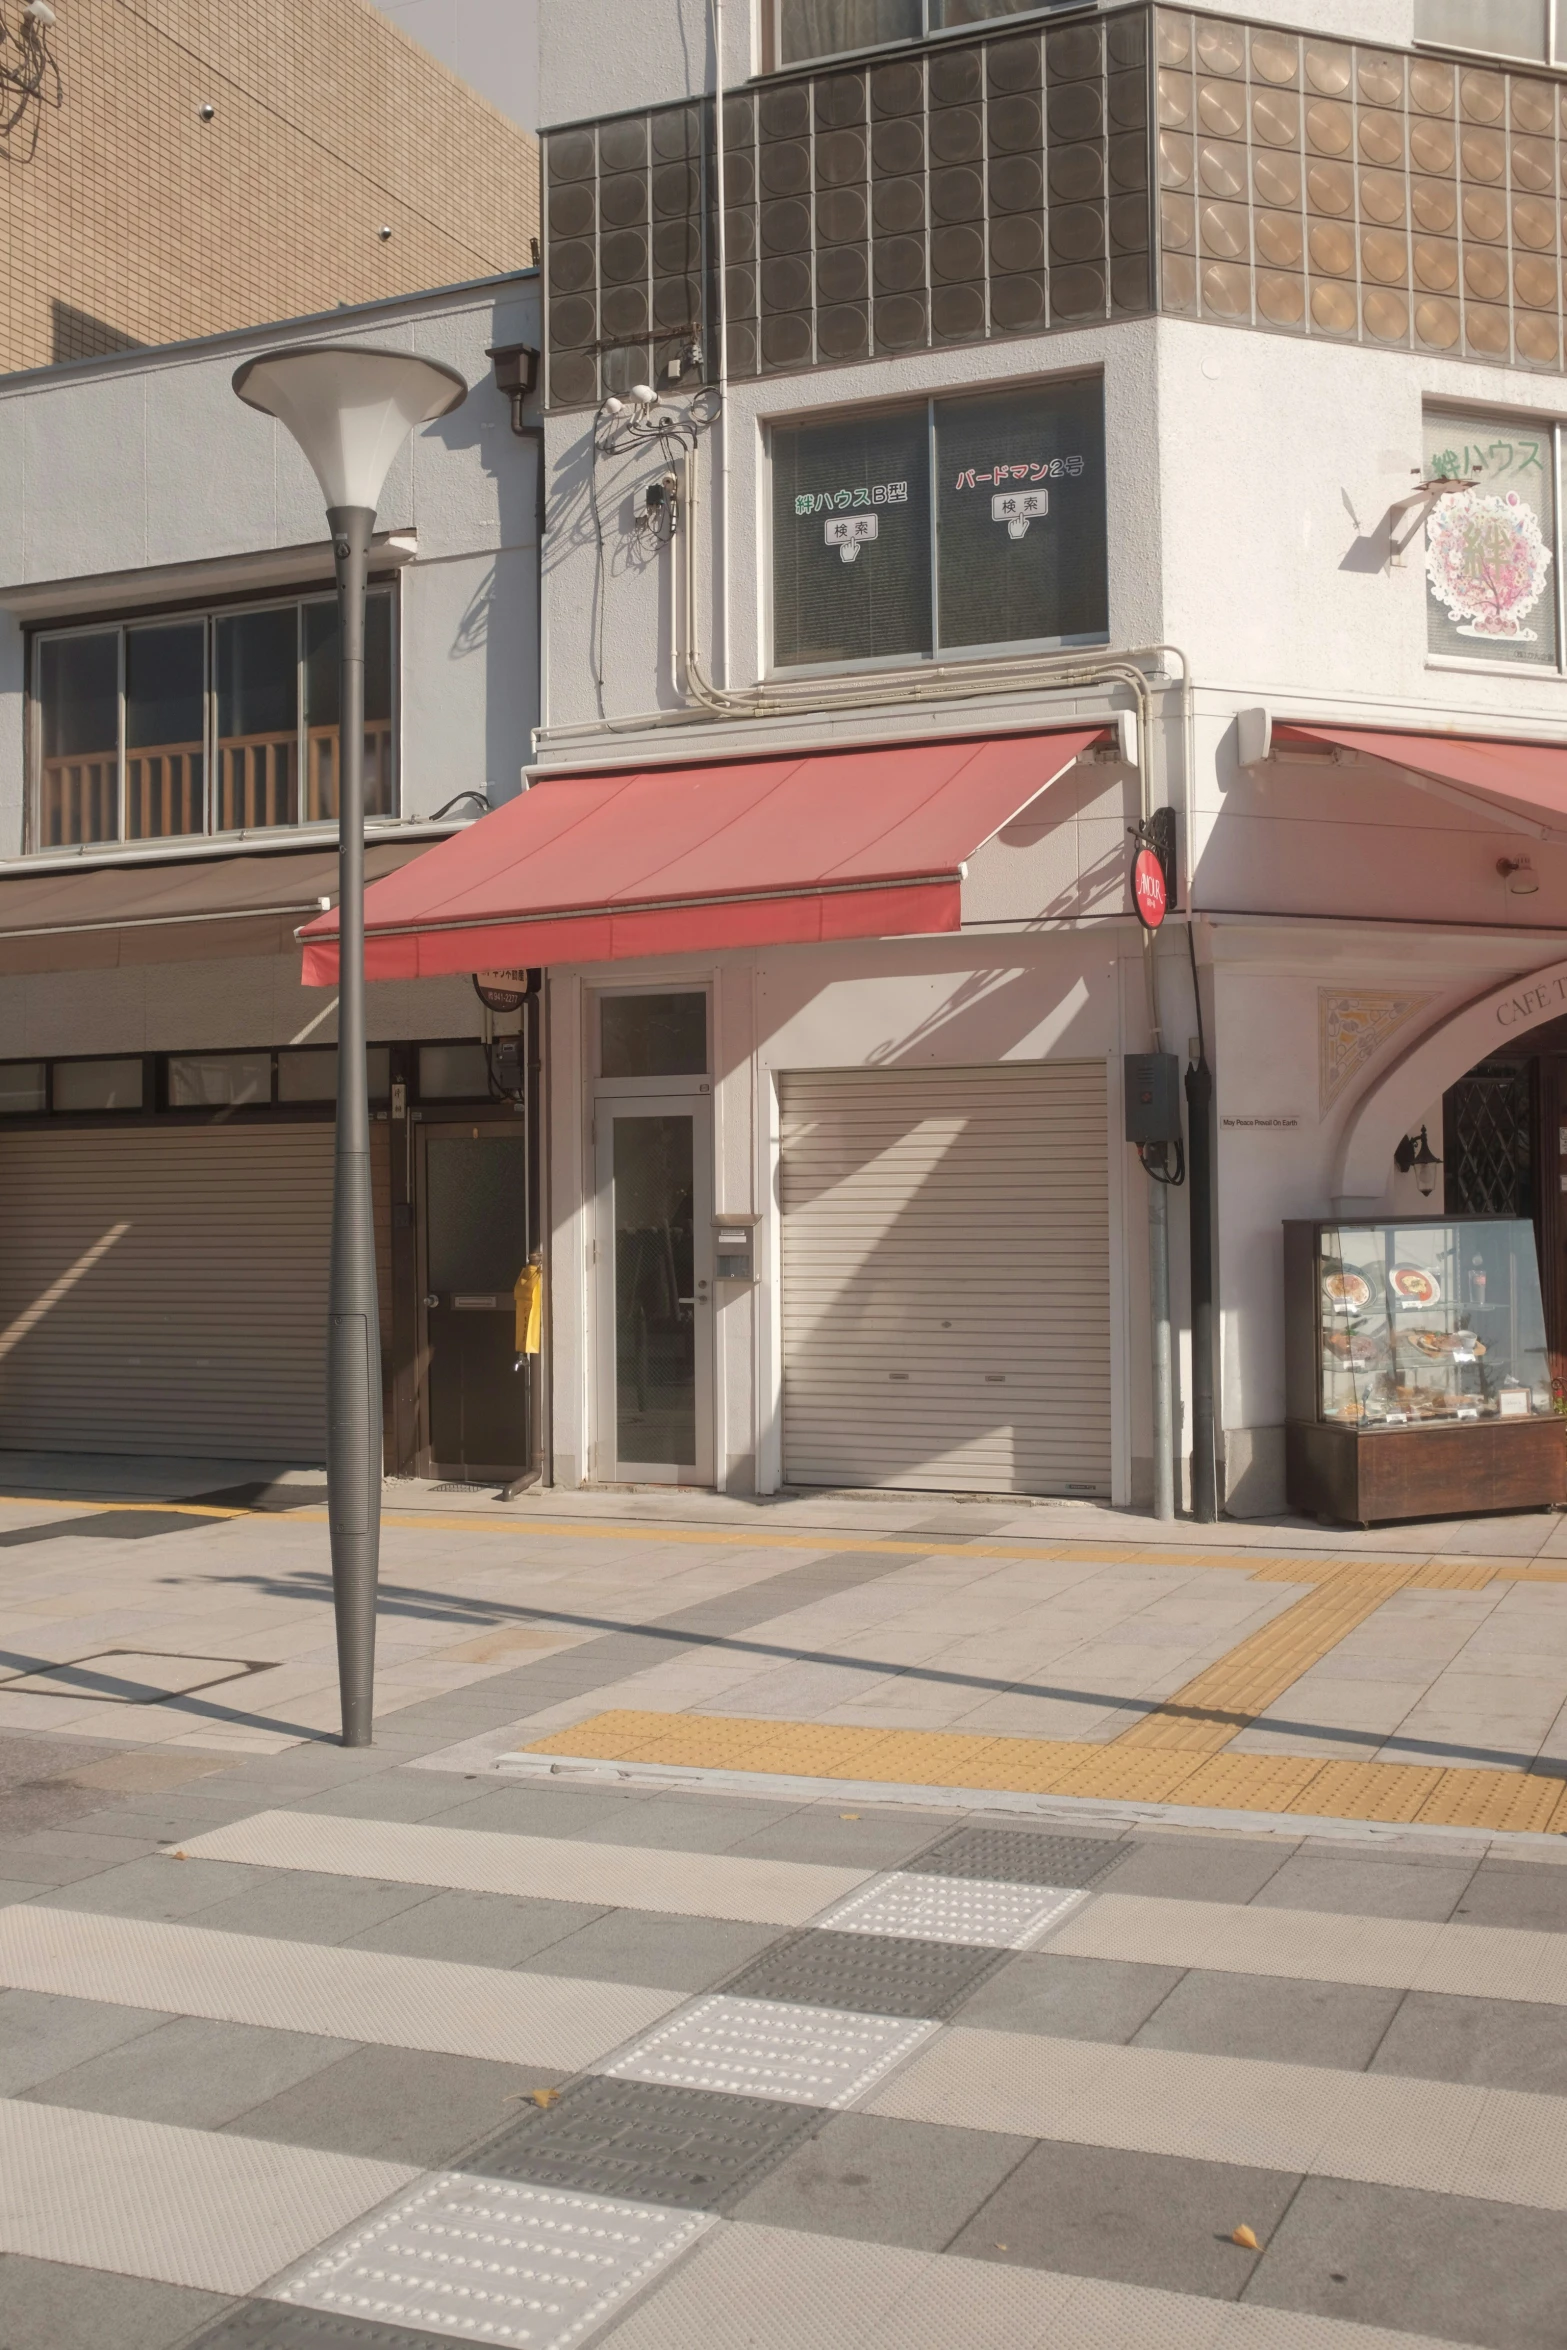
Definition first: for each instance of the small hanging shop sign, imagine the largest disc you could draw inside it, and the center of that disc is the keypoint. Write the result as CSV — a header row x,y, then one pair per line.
x,y
1148,891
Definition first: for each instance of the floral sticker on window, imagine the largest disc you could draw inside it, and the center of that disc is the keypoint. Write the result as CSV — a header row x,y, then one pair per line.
x,y
1488,563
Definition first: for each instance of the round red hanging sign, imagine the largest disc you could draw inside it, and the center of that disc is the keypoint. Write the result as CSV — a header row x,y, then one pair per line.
x,y
1148,893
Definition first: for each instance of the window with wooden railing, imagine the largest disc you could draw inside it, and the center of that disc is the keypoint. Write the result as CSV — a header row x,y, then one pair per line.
x,y
212,723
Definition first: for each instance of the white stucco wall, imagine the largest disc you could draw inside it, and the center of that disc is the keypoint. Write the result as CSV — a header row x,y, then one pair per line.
x,y
147,458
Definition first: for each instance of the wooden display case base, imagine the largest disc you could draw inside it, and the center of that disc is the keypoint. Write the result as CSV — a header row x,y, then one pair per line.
x,y
1466,1469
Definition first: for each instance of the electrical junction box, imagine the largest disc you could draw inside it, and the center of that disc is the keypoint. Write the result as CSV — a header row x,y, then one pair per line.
x,y
734,1248
1153,1097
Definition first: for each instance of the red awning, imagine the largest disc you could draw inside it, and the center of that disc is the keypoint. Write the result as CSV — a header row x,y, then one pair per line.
x,y
679,860
1527,779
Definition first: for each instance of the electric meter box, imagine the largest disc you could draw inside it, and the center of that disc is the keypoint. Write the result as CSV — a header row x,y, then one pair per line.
x,y
734,1248
1153,1097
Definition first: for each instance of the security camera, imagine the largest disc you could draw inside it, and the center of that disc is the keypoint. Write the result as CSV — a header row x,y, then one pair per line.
x,y
644,395
614,407
383,234
40,12
206,110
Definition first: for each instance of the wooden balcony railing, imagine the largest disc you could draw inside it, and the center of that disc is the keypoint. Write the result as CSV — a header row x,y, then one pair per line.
x,y
78,800
258,777
258,785
164,791
321,789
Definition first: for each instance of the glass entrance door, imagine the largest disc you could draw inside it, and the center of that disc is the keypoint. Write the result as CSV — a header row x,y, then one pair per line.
x,y
655,1289
475,1243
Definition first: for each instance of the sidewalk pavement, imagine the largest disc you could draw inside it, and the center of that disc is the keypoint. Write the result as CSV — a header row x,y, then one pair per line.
x,y
1067,1654
391,2050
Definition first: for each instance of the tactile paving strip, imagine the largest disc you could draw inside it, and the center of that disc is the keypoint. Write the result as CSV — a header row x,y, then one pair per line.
x,y
1015,1856
487,2260
954,1909
771,2048
688,2149
265,2325
878,1974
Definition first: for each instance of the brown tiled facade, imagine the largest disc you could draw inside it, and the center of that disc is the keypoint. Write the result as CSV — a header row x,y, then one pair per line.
x,y
131,219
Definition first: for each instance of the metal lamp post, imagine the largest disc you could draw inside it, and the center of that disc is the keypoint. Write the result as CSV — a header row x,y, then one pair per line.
x,y
351,409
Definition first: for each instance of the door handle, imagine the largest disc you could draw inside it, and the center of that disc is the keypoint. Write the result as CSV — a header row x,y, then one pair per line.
x,y
432,1299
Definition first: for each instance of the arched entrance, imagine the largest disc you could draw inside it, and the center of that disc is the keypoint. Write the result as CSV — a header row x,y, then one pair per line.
x,y
1504,1153
1499,1065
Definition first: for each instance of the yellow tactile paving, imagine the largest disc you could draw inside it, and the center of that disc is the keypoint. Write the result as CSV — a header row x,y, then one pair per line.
x,y
1087,1550
1245,1683
1411,1793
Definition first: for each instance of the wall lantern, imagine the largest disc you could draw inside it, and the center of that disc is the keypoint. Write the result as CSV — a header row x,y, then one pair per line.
x,y
1519,875
1419,1156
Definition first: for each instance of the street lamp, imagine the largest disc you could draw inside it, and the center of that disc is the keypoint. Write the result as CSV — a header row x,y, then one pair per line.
x,y
351,409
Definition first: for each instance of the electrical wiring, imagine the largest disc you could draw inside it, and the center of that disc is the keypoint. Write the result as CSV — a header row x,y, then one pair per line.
x,y
29,76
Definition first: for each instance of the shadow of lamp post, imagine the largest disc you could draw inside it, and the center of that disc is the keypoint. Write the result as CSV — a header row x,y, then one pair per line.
x,y
351,408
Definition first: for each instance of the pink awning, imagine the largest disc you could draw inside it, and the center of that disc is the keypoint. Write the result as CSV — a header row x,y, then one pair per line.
x,y
1527,779
866,843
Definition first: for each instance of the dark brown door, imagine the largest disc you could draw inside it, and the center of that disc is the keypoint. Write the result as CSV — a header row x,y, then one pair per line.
x,y
475,1223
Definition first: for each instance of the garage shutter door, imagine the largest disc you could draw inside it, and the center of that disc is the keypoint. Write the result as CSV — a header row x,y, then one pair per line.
x,y
164,1290
946,1284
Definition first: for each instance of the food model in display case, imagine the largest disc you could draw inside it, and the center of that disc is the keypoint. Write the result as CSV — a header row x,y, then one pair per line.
x,y
1417,1378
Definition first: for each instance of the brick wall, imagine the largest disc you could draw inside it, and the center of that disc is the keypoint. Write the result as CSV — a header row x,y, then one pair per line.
x,y
129,219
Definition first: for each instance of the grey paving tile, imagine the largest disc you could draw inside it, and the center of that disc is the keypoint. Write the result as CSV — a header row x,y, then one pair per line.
x,y
394,1795
1367,1886
191,2072
666,1953
528,1810
885,2181
869,1840
695,2149
1196,1868
302,1905
42,2033
1070,1998
396,2104
1465,2271
18,1889
1019,1856
871,1974
270,2325
45,2305
1136,2219
480,1929
1531,1894
1272,2017
1496,2043
693,1823
162,1887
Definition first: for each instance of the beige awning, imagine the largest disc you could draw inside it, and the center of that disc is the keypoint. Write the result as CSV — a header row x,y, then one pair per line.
x,y
203,909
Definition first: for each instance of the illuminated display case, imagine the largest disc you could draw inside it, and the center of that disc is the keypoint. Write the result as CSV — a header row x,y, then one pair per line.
x,y
1417,1378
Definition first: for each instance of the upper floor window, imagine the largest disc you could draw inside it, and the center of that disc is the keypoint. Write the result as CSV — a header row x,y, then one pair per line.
x,y
1493,551
808,29
1493,28
942,526
224,721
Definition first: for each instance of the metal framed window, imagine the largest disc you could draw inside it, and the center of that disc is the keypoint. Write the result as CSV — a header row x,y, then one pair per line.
x,y
194,723
216,1087
1529,29
972,524
805,32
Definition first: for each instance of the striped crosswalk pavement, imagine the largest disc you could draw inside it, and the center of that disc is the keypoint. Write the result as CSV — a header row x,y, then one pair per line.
x,y
969,2087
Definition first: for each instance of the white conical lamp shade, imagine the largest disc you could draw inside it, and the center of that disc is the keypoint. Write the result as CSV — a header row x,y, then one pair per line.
x,y
349,408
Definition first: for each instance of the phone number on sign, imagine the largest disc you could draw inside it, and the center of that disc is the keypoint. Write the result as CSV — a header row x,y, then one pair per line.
x,y
885,493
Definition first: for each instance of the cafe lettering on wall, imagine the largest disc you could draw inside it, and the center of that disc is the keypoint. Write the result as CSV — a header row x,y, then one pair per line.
x,y
1531,1003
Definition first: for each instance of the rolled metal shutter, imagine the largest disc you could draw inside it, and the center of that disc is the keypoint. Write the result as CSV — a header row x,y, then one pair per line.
x,y
946,1279
164,1290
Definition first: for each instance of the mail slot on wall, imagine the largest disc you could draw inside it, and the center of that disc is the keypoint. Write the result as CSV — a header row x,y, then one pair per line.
x,y
734,1248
